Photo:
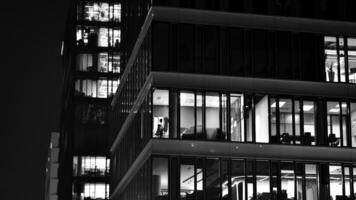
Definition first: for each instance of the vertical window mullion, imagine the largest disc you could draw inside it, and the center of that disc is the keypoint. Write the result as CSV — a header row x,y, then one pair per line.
x,y
301,120
338,58
195,114
293,122
341,125
278,134
346,59
269,123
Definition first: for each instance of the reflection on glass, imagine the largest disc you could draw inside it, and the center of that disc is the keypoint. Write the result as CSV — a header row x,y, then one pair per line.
x,y
336,182
311,182
334,128
212,120
212,179
309,122
75,166
199,178
160,178
187,121
351,55
353,123
237,180
331,59
287,181
261,119
236,118
344,126
160,112
187,179
262,180
90,113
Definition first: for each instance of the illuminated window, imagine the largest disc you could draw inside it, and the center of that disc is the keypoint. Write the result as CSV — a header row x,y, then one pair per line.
x,y
96,191
160,114
101,88
160,178
99,11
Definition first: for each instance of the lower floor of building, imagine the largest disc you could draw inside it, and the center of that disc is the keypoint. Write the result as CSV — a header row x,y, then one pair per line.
x,y
208,178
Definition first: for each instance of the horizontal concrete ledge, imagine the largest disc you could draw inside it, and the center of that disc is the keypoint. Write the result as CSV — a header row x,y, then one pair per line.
x,y
256,85
229,19
253,151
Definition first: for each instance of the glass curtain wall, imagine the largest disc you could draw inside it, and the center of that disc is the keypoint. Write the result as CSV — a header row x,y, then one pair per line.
x,y
339,55
99,11
337,123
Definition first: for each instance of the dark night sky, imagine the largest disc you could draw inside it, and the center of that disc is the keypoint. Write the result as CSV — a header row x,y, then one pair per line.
x,y
31,77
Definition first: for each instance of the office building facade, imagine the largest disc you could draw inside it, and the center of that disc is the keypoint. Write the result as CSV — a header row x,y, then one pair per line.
x,y
91,58
240,100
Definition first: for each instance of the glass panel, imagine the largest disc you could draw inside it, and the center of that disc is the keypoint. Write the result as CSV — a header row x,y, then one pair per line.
x,y
354,181
336,182
299,172
273,118
311,182
103,62
224,116
297,124
353,123
342,60
187,121
261,117
200,179
334,128
103,37
250,180
212,179
160,178
248,110
347,178
224,180
285,121
274,181
102,88
237,180
262,180
116,12
309,122
351,46
96,11
212,120
93,166
95,191
287,181
114,63
75,166
114,37
331,66
85,62
187,179
236,118
199,111
160,114
344,126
